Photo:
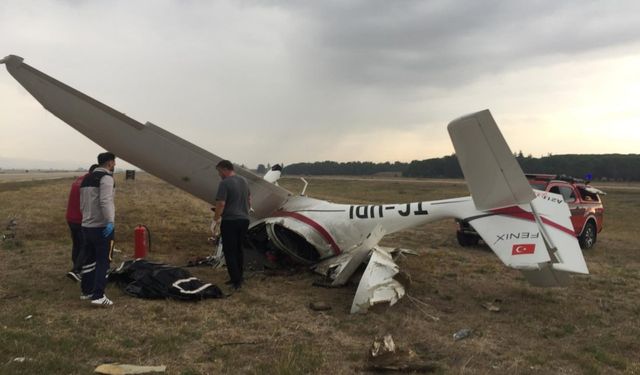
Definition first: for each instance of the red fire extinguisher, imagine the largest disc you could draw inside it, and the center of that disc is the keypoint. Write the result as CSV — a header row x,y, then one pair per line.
x,y
142,237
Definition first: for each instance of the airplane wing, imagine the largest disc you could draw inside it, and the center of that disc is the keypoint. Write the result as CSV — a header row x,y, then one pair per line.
x,y
147,146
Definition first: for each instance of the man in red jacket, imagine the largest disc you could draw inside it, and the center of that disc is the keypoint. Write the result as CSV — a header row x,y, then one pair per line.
x,y
74,219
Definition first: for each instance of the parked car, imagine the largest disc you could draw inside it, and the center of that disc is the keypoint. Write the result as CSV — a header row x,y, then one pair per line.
x,y
585,204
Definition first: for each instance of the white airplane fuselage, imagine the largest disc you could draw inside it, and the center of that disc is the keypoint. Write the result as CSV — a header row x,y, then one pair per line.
x,y
334,229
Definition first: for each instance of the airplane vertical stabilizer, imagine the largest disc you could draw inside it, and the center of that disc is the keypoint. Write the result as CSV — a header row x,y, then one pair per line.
x,y
492,173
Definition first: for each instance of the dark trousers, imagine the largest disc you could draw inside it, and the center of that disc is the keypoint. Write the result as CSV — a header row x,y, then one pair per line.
x,y
234,233
96,264
76,246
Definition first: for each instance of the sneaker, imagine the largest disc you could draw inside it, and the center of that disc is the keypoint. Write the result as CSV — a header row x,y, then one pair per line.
x,y
73,276
102,302
85,297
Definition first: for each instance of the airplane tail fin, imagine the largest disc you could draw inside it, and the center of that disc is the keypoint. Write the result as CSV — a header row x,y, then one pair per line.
x,y
493,175
528,231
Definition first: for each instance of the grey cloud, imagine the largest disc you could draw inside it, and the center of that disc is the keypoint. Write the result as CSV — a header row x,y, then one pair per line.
x,y
443,43
270,74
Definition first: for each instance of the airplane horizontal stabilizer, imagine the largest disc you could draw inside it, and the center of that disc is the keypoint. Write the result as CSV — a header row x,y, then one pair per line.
x,y
544,250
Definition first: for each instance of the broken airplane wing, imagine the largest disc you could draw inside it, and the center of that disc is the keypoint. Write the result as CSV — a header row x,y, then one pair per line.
x,y
146,146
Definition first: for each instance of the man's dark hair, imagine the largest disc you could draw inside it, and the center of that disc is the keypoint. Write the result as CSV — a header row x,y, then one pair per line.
x,y
105,157
92,167
225,164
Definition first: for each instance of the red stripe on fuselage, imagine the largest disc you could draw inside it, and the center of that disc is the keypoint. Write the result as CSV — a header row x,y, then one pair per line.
x,y
517,212
319,228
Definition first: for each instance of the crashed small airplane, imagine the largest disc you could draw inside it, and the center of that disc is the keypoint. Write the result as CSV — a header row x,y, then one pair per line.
x,y
335,239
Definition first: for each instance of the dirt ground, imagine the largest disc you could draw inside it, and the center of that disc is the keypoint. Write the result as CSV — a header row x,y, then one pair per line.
x,y
267,327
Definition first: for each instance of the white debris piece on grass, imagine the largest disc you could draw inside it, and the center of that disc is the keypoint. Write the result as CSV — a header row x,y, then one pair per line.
x,y
377,283
122,369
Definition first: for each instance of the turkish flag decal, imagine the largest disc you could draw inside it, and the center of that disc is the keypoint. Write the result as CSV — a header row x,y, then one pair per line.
x,y
523,249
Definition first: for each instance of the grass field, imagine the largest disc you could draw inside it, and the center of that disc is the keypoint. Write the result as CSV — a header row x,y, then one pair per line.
x,y
592,327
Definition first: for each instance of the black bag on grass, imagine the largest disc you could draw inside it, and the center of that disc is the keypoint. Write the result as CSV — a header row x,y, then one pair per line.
x,y
143,279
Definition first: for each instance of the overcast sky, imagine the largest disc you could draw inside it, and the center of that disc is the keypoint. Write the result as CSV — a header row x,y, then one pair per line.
x,y
279,81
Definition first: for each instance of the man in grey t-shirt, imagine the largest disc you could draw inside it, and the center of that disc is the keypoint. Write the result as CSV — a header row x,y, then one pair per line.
x,y
233,201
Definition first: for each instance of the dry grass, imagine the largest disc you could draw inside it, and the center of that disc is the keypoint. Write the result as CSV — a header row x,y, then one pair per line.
x,y
591,327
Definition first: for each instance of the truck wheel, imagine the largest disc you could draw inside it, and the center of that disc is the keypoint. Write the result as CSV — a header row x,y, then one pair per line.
x,y
588,236
465,239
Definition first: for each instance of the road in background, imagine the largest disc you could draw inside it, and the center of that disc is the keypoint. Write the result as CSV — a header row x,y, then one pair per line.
x,y
33,176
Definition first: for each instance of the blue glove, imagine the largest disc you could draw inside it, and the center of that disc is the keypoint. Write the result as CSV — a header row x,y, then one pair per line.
x,y
107,230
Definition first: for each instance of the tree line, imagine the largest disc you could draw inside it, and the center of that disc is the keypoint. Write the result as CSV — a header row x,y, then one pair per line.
x,y
603,167
352,168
